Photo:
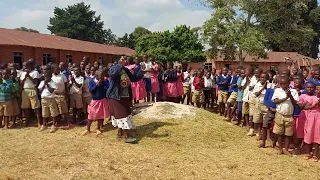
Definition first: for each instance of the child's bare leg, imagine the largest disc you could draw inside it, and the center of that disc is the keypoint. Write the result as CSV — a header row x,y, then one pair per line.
x,y
13,119
264,138
222,108
87,131
297,143
287,144
54,128
6,122
309,151
27,116
44,124
67,117
229,111
120,133
246,120
79,115
316,152
39,116
74,115
280,142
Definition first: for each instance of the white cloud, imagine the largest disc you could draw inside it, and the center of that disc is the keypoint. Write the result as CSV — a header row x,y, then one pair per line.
x,y
122,17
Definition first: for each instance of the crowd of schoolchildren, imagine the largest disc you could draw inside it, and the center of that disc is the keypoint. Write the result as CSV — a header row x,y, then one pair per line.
x,y
283,106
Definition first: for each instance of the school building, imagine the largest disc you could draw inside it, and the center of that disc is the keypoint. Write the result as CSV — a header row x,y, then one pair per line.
x,y
276,61
18,46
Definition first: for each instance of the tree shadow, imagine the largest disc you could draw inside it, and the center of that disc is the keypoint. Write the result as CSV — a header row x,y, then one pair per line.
x,y
148,130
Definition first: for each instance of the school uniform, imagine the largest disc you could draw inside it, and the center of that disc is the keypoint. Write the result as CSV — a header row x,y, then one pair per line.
x,y
86,96
76,93
6,107
283,119
15,96
208,84
147,66
48,102
239,98
29,94
245,99
261,108
252,98
267,100
223,88
233,90
60,97
198,96
98,108
186,83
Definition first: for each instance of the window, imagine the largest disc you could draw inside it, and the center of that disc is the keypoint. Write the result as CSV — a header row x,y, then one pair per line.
x,y
273,68
208,65
18,58
46,58
227,66
69,58
101,60
254,66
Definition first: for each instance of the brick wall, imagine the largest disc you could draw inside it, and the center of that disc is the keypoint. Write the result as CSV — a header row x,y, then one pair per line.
x,y
7,54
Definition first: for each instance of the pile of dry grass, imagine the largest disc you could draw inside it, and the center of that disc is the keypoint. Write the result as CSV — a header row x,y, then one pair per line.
x,y
204,148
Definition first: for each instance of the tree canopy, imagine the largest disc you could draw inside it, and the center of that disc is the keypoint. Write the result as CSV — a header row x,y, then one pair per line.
x,y
26,29
182,44
129,40
80,22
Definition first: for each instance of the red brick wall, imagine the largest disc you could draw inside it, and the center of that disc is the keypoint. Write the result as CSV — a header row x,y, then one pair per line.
x,y
7,54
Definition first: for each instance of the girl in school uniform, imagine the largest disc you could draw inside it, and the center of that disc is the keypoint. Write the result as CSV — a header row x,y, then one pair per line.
x,y
180,82
138,88
170,85
154,81
312,126
98,107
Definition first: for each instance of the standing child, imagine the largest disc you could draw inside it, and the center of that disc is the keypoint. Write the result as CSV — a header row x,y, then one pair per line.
x,y
6,89
86,96
179,82
138,88
223,82
245,88
270,115
15,97
285,98
198,83
98,107
170,86
75,85
214,87
240,97
208,84
259,91
28,81
154,81
61,93
312,127
48,102
186,86
233,90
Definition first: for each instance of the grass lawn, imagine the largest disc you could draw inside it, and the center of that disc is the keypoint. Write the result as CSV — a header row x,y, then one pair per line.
x,y
204,147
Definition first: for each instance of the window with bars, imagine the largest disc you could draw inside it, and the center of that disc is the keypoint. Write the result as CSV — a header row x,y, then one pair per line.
x,y
69,58
18,58
101,60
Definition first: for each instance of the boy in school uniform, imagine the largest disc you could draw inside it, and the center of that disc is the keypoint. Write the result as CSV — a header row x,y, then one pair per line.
x,y
6,89
245,89
29,96
186,85
76,83
223,82
86,95
198,83
239,101
233,90
48,102
285,98
61,93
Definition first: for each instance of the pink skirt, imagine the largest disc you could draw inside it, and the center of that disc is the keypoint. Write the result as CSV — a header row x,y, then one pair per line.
x,y
138,90
180,88
170,89
312,127
154,84
98,109
298,124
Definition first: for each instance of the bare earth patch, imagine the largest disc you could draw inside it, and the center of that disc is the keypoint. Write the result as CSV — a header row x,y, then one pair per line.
x,y
166,110
202,148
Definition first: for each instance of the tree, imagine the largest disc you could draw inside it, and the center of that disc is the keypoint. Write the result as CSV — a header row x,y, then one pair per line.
x,y
139,32
26,29
179,45
286,25
80,22
126,41
231,30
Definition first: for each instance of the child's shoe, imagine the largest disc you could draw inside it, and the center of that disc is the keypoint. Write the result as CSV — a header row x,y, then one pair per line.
x,y
42,128
251,132
86,132
53,129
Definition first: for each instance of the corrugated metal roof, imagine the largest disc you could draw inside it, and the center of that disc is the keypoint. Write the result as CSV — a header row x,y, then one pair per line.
x,y
22,38
277,57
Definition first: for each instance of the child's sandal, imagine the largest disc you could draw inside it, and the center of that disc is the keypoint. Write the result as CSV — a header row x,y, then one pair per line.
x,y
99,132
307,157
86,132
315,159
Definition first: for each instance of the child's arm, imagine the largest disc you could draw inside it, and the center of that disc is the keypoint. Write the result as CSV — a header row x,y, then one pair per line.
x,y
34,80
293,101
50,88
93,86
259,92
41,86
79,85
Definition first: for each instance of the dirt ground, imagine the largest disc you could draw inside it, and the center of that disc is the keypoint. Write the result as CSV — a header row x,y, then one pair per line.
x,y
202,147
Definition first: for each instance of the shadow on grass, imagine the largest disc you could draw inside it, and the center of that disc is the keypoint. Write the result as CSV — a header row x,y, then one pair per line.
x,y
148,130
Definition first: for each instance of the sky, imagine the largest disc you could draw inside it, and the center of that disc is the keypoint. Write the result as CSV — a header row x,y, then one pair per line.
x,y
121,16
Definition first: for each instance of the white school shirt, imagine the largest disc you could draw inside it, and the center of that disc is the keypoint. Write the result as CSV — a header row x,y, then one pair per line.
x,y
28,84
208,83
258,88
253,82
60,81
148,66
46,93
85,88
245,91
74,88
286,107
191,82
186,81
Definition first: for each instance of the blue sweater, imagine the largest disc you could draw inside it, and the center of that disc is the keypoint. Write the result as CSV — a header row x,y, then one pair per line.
x,y
171,75
220,80
98,92
267,98
234,81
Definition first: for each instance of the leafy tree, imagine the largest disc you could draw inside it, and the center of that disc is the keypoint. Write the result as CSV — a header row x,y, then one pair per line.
x,y
179,45
126,41
26,29
231,30
139,32
80,22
